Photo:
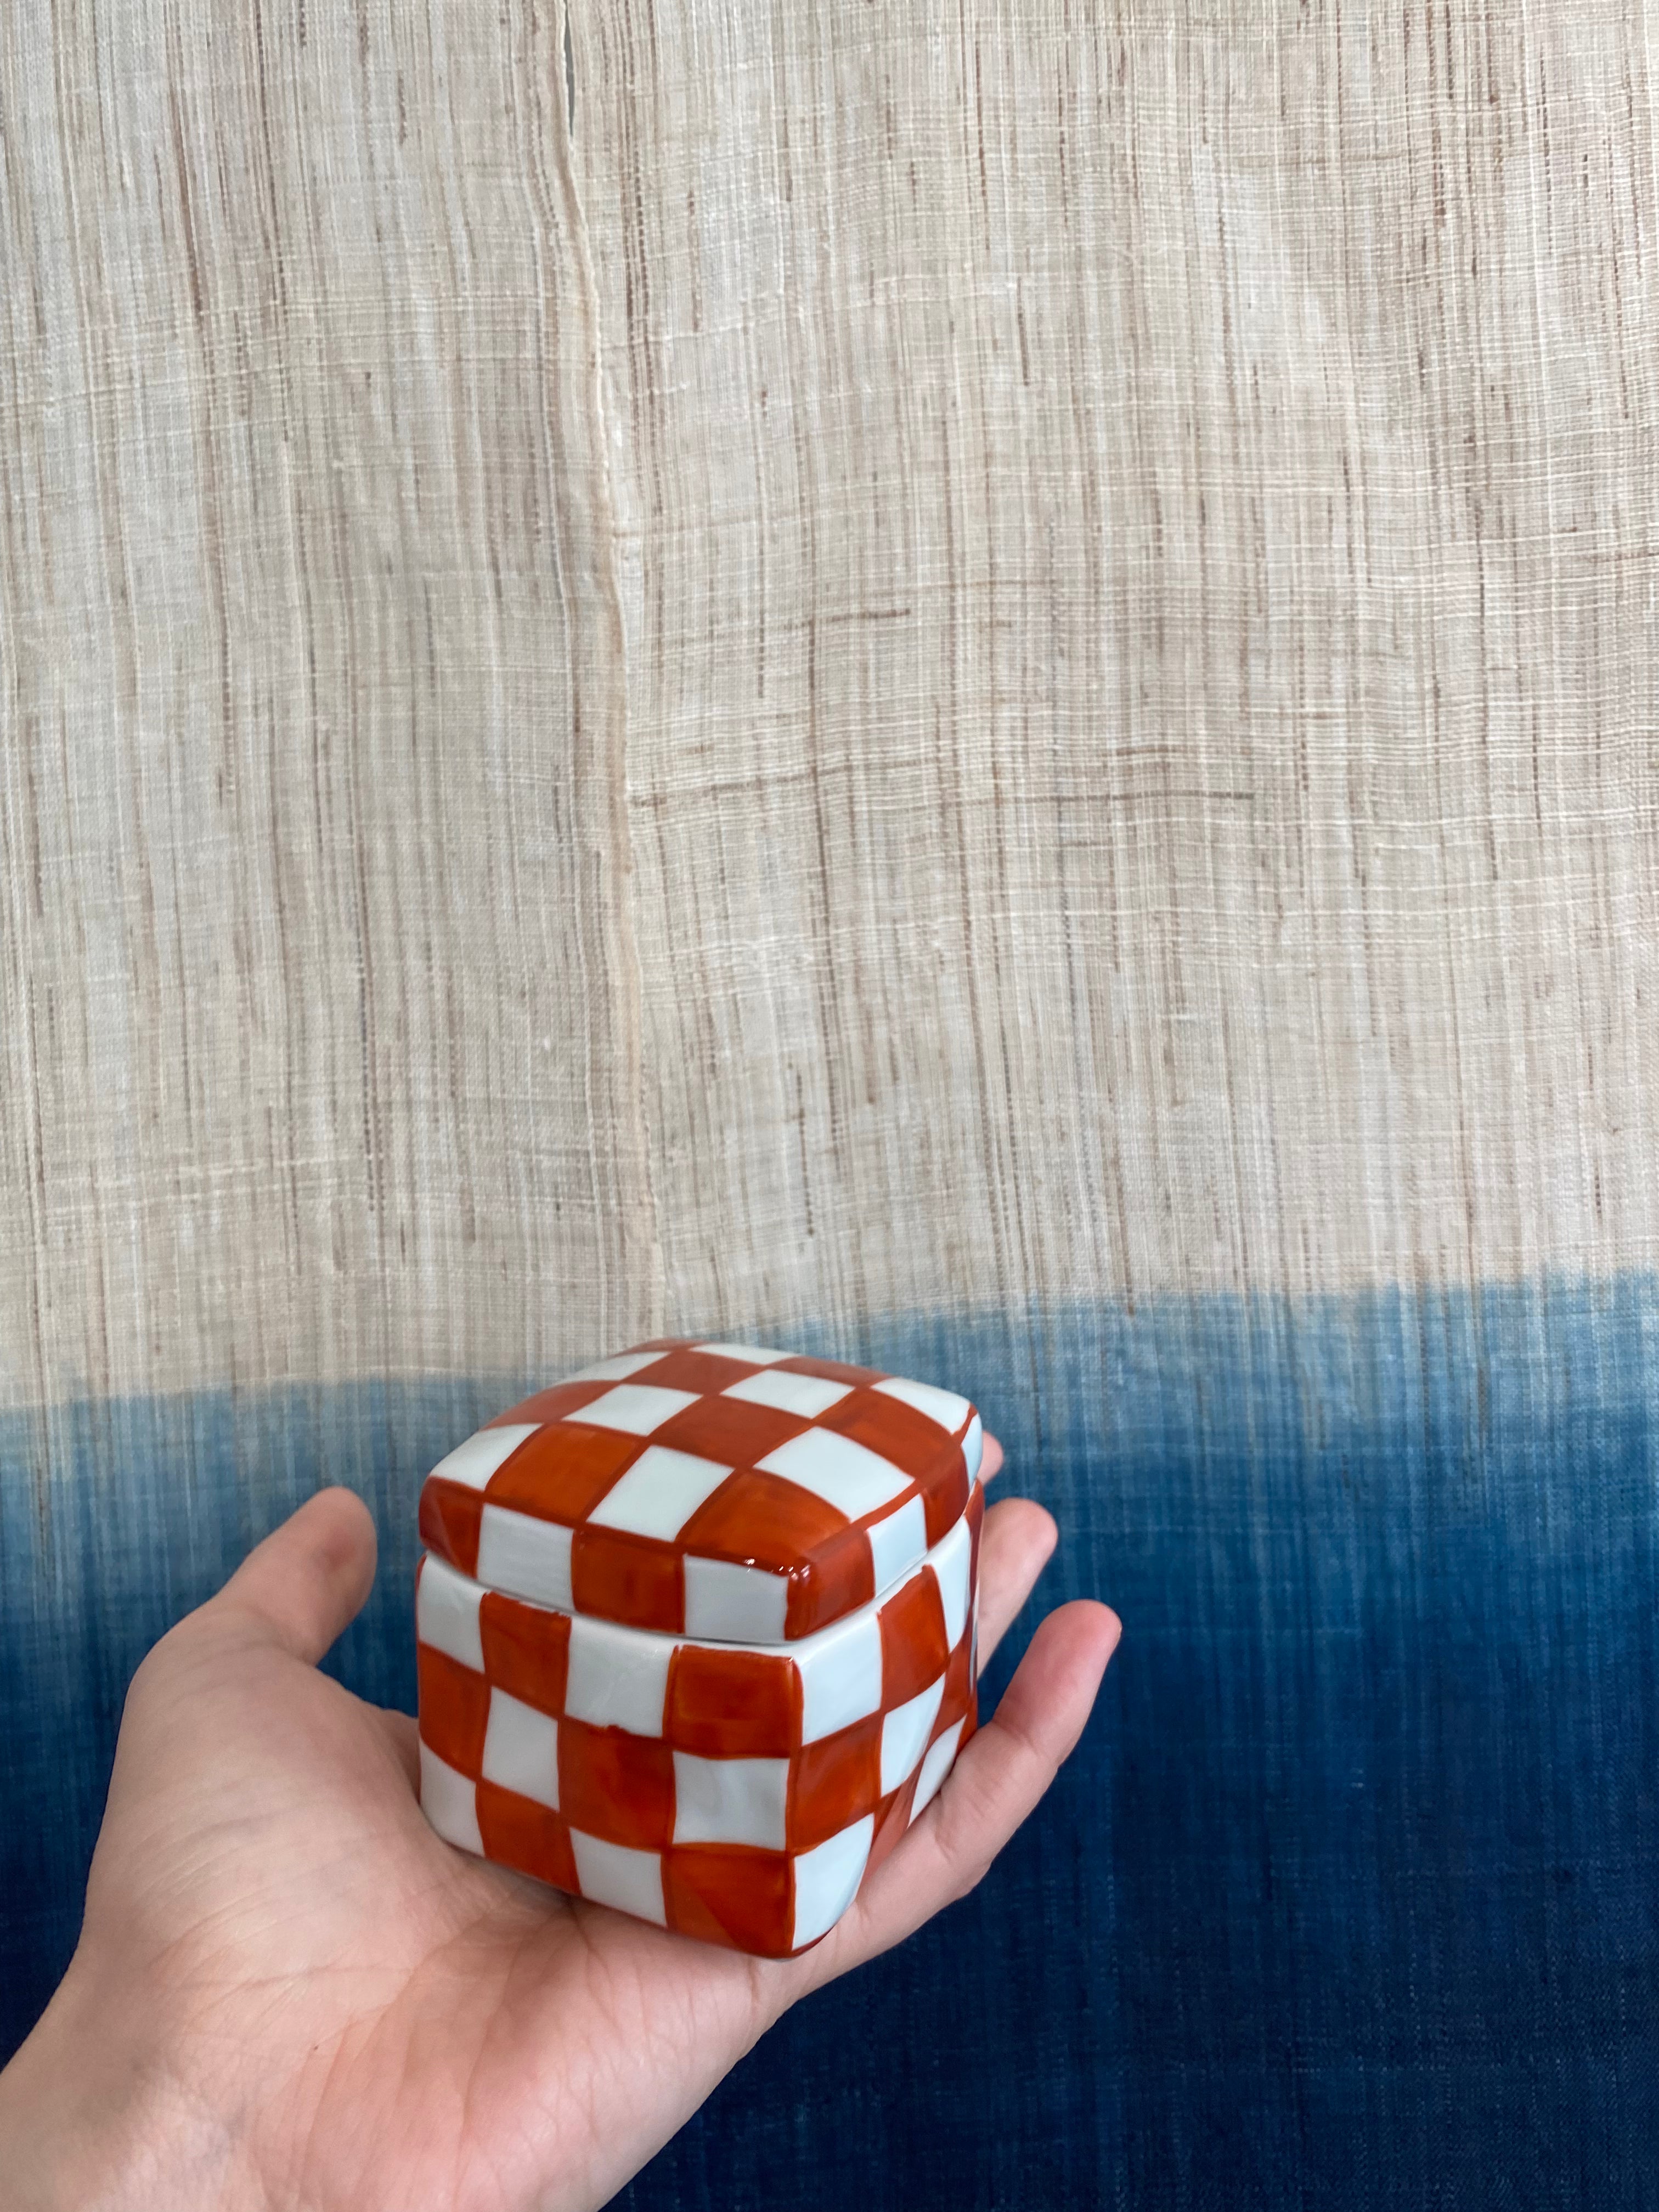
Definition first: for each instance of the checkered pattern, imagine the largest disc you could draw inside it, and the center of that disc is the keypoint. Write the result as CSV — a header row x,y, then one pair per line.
x,y
710,1490
736,1793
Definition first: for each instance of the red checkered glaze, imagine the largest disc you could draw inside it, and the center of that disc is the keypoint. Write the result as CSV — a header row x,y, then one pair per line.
x,y
738,1794
721,1491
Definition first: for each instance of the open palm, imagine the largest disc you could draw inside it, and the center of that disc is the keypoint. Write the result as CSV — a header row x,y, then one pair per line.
x,y
298,1996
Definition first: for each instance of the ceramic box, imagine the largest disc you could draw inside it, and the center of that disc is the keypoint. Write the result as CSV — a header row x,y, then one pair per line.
x,y
697,1633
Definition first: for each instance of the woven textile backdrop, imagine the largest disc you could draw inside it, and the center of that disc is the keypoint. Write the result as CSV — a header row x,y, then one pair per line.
x,y
976,686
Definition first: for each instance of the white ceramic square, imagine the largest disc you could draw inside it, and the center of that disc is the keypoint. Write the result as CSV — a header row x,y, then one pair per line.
x,y
752,1355
636,1408
941,1406
729,1801
839,1674
904,1735
477,1459
953,1558
973,1447
619,1677
941,1754
617,1370
447,1613
521,1750
526,1557
658,1495
613,1874
734,1604
845,1474
897,1542
450,1802
827,1879
809,1396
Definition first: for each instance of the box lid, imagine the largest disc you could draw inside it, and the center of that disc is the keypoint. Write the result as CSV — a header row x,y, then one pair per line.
x,y
721,1491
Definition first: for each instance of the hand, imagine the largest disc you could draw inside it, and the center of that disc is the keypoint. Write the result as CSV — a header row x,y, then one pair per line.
x,y
290,1993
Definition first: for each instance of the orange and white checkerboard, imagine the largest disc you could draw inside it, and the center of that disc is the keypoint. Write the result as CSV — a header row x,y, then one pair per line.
x,y
734,1786
714,1490
736,1794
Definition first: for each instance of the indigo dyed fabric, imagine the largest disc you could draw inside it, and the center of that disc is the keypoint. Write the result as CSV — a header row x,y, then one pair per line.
x,y
1350,1896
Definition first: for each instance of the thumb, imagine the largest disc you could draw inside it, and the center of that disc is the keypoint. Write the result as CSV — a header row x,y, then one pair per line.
x,y
306,1582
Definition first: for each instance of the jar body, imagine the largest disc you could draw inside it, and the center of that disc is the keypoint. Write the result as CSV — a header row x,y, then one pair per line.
x,y
737,1793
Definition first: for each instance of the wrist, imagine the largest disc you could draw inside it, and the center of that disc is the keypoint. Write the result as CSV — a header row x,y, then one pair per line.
x,y
93,2118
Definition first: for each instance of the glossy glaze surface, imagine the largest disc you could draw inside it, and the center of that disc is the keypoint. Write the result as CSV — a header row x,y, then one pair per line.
x,y
723,1491
738,1794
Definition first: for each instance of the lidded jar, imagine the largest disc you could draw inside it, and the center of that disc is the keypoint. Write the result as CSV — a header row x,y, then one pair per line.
x,y
696,1632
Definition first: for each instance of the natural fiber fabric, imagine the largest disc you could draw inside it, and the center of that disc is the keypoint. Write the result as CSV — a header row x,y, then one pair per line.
x,y
1140,564
933,660
323,1006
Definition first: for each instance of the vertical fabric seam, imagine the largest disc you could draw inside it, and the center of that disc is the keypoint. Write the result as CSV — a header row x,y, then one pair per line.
x,y
601,519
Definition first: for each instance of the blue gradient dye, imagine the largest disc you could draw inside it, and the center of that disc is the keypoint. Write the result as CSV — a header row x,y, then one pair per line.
x,y
1351,1895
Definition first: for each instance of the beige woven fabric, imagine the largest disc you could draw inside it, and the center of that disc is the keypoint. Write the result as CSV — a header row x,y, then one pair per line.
x,y
931,657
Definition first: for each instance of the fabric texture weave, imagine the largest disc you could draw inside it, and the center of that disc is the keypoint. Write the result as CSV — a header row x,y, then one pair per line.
x,y
978,690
